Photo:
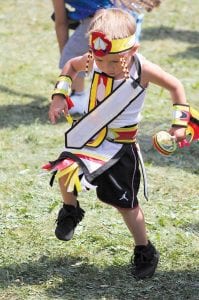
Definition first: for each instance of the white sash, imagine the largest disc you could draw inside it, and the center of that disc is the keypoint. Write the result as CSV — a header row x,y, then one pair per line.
x,y
86,128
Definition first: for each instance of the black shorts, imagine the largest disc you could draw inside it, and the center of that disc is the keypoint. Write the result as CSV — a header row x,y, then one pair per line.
x,y
119,184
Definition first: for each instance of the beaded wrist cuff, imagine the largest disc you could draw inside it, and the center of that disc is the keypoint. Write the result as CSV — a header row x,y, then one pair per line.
x,y
181,115
63,86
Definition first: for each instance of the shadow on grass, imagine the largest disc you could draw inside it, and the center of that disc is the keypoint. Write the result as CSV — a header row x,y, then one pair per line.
x,y
191,52
13,115
74,278
164,32
191,228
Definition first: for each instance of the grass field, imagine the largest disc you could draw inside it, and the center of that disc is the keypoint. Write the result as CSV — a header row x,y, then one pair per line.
x,y
95,264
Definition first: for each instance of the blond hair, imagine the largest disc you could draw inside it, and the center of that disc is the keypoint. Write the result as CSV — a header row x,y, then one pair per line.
x,y
115,23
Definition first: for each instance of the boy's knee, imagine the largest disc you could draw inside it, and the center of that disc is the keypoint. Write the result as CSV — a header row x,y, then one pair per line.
x,y
124,210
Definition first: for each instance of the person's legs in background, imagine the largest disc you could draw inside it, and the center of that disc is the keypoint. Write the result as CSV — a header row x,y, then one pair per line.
x,y
77,45
139,20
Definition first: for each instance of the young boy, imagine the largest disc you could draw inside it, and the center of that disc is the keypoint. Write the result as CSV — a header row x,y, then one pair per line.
x,y
101,147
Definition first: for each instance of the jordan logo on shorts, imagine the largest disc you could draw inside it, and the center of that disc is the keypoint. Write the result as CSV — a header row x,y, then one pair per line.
x,y
124,197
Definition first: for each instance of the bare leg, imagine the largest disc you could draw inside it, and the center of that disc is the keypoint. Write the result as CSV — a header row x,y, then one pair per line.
x,y
69,215
68,198
145,257
134,219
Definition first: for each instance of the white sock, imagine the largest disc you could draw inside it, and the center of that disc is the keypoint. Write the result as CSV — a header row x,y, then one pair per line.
x,y
79,93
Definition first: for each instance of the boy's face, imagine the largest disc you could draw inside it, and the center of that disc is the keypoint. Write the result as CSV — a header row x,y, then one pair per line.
x,y
111,64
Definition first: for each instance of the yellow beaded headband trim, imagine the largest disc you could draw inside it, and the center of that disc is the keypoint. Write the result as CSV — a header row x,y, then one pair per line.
x,y
101,45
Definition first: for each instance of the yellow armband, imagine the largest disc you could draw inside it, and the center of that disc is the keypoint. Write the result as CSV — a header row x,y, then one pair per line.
x,y
63,86
181,115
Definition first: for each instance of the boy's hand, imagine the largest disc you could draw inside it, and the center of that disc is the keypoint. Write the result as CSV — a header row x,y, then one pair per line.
x,y
58,107
178,132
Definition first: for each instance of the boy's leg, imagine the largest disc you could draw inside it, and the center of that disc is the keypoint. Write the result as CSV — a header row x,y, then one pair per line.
x,y
68,198
134,219
69,215
145,257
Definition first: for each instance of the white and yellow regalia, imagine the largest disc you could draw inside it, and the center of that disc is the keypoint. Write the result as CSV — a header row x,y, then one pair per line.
x,y
104,148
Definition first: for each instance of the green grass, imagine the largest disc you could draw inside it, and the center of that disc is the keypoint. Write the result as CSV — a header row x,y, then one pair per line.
x,y
95,264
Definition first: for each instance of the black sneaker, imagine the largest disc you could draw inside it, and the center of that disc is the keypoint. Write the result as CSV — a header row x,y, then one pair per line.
x,y
68,218
144,261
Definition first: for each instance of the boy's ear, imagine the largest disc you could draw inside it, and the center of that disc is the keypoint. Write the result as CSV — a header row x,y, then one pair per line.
x,y
135,48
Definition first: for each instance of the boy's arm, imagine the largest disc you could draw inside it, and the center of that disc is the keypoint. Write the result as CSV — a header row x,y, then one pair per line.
x,y
61,23
154,74
60,101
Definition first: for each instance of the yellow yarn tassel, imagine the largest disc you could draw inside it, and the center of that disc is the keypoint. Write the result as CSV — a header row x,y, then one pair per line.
x,y
72,180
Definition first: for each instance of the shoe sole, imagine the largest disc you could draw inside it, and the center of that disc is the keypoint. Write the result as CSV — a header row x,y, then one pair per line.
x,y
66,237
